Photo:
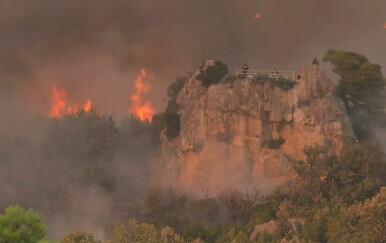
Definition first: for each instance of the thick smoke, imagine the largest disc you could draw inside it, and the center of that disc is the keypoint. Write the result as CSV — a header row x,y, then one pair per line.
x,y
95,48
79,172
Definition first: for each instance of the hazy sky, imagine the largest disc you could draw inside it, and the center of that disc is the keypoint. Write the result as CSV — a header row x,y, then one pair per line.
x,y
95,48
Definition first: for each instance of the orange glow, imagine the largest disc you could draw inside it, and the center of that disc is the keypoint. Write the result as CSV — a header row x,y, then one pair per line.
x,y
87,106
257,16
61,106
384,26
59,98
143,110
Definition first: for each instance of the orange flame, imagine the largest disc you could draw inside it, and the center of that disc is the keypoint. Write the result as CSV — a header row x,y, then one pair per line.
x,y
87,106
383,26
257,16
143,110
59,102
60,105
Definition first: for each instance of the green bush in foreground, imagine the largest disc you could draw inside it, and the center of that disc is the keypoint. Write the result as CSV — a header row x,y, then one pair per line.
x,y
20,225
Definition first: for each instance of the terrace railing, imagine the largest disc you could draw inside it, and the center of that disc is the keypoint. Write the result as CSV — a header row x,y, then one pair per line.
x,y
249,74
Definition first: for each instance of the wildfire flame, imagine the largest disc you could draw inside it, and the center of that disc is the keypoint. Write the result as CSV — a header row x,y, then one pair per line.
x,y
257,16
87,106
59,98
143,110
383,26
60,105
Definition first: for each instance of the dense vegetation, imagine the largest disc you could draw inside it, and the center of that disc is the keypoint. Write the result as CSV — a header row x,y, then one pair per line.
x,y
78,160
339,199
169,122
361,87
280,82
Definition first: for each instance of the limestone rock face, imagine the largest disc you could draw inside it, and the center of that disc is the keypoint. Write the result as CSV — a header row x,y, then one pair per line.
x,y
225,130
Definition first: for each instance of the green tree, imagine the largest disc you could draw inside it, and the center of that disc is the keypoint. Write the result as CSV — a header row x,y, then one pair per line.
x,y
315,227
18,225
343,227
241,237
205,211
361,222
236,207
264,237
121,234
373,216
358,173
142,232
284,228
361,89
164,208
198,231
169,236
316,173
169,121
86,138
175,88
355,175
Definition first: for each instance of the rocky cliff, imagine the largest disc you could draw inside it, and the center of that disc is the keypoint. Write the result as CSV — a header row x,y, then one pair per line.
x,y
241,135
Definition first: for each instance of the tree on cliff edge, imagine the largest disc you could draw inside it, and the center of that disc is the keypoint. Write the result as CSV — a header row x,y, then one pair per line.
x,y
361,87
212,73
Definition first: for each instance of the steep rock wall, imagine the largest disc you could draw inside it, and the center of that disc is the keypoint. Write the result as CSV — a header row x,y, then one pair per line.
x,y
225,130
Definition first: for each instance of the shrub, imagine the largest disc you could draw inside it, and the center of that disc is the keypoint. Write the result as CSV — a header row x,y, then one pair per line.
x,y
281,82
172,121
169,236
230,79
142,232
197,231
274,143
212,74
169,121
87,133
175,88
261,78
163,207
205,211
373,216
303,102
265,237
79,237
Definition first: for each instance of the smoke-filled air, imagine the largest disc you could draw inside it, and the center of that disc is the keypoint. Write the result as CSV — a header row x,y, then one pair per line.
x,y
192,121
